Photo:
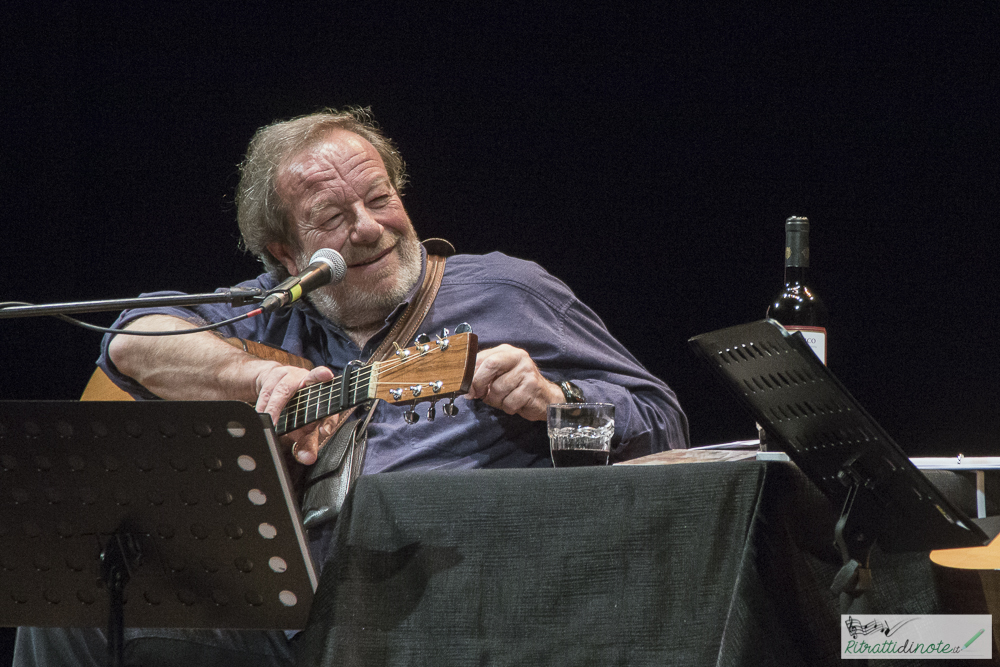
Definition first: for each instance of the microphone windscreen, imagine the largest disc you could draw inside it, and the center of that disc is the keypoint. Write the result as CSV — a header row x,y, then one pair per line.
x,y
333,259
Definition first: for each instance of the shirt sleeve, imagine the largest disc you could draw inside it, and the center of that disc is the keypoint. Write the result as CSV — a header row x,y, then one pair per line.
x,y
523,305
648,416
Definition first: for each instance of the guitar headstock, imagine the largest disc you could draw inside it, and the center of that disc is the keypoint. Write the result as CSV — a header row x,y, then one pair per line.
x,y
430,370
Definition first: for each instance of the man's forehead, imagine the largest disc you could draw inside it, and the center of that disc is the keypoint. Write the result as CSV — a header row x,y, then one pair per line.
x,y
337,146
336,154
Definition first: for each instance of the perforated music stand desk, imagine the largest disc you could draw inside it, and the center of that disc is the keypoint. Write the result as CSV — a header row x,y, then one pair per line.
x,y
199,487
836,443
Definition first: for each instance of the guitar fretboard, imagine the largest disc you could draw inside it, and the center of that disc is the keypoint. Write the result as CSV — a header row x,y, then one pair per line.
x,y
323,399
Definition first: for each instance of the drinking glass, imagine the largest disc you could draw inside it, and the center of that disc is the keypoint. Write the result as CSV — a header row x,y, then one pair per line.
x,y
580,433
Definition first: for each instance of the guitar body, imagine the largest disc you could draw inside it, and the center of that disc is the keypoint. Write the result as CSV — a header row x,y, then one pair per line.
x,y
970,558
987,561
101,388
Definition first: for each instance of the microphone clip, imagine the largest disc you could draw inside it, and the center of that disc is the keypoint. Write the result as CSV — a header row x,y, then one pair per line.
x,y
244,296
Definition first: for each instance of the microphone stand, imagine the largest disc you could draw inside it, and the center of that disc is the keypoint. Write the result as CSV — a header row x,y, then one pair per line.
x,y
236,296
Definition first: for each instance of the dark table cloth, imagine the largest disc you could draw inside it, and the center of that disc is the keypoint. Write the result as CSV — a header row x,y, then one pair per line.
x,y
699,564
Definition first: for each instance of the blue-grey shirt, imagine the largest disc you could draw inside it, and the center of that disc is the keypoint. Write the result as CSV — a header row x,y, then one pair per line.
x,y
506,300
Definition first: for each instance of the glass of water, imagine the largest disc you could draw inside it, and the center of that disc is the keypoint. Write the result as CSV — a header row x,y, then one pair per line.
x,y
580,433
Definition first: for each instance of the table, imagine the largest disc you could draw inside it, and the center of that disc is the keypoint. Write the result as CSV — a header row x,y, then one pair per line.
x,y
702,564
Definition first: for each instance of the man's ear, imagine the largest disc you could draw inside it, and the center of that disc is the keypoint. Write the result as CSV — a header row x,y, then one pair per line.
x,y
283,254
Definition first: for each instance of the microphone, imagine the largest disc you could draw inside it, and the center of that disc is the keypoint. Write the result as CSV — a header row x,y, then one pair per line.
x,y
326,266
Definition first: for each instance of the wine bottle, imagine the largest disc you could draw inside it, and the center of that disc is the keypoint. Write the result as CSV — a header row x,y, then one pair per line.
x,y
798,307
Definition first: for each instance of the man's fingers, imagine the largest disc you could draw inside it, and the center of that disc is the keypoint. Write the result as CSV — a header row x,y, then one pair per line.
x,y
318,374
306,447
507,378
491,364
281,382
310,438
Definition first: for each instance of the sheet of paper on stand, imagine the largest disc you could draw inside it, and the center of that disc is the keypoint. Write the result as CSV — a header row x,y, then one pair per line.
x,y
737,444
739,450
690,456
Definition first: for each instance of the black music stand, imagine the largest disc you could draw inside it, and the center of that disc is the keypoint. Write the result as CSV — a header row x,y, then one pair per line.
x,y
147,514
839,446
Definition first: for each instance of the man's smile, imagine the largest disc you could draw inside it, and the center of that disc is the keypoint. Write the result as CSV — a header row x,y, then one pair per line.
x,y
372,259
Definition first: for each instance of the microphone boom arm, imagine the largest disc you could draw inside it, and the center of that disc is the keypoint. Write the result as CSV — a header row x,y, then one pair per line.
x,y
235,296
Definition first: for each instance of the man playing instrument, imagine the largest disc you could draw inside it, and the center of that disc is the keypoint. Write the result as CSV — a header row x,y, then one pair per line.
x,y
332,180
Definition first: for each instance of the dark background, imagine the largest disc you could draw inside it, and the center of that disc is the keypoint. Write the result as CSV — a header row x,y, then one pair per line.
x,y
648,157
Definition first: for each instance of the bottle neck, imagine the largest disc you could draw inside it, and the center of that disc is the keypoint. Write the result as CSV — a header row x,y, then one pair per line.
x,y
796,275
796,255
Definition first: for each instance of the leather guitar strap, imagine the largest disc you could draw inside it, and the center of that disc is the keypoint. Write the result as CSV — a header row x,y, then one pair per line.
x,y
402,333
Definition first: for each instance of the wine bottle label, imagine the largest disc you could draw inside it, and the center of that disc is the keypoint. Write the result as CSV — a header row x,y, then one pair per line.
x,y
815,336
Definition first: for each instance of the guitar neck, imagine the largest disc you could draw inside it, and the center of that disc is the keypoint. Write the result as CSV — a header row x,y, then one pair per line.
x,y
324,399
425,372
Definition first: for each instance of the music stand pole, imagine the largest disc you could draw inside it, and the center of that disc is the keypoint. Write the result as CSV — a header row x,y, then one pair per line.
x,y
119,557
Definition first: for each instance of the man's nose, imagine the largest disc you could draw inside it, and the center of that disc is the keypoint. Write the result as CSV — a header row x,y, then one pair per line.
x,y
366,229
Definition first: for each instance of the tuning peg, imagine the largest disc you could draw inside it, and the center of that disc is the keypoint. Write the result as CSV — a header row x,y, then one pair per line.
x,y
464,327
422,342
450,408
410,416
445,333
431,412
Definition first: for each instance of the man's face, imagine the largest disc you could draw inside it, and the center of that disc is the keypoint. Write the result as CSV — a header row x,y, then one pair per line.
x,y
339,196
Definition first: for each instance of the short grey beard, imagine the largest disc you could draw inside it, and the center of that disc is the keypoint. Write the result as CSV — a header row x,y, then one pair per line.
x,y
359,309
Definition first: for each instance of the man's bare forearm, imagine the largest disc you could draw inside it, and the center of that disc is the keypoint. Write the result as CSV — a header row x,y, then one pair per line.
x,y
199,366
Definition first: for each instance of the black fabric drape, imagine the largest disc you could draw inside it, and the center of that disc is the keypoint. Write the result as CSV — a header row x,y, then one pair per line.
x,y
699,564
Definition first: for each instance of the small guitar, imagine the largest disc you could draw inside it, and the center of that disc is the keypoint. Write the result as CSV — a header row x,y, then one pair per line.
x,y
429,371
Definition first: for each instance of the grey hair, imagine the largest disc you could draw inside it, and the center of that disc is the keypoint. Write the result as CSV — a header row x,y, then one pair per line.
x,y
261,212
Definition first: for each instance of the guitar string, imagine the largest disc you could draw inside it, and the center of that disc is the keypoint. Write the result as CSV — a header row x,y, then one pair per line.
x,y
332,387
297,409
314,395
330,391
307,395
